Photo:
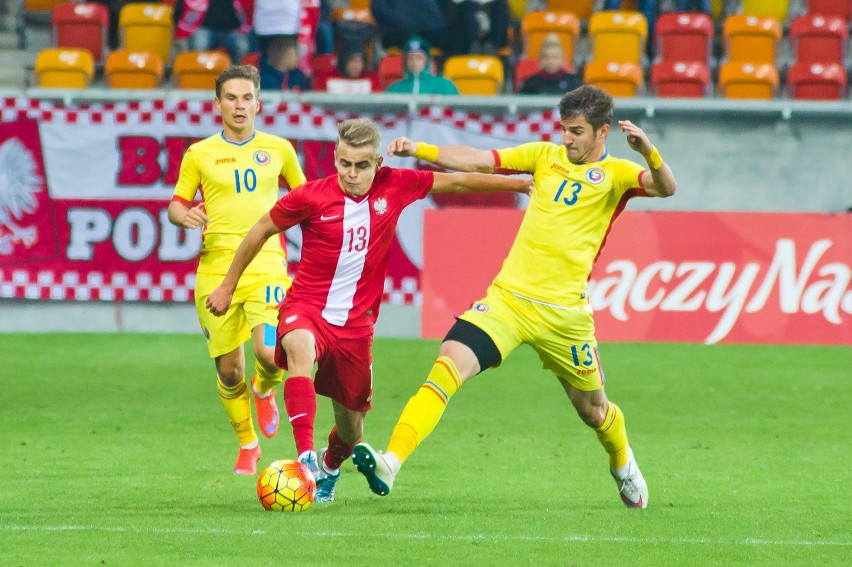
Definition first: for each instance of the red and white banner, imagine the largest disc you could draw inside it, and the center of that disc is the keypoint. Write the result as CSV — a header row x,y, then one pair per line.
x,y
664,276
84,191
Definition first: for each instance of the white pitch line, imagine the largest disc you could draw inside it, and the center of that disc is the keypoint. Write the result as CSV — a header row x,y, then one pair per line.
x,y
452,537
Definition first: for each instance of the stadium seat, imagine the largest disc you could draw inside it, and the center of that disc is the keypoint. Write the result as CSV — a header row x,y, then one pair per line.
x,y
525,68
618,79
359,4
42,5
839,8
58,68
390,70
132,70
717,9
684,79
83,26
684,36
816,81
146,27
617,36
475,74
751,38
747,80
252,58
778,9
198,69
818,39
536,26
583,9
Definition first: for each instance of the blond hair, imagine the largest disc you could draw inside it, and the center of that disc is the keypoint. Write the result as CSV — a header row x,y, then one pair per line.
x,y
359,132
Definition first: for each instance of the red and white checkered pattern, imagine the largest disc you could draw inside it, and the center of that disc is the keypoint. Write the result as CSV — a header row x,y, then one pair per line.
x,y
543,125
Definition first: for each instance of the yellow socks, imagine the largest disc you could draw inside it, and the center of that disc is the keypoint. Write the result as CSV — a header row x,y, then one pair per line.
x,y
425,408
238,407
613,436
265,381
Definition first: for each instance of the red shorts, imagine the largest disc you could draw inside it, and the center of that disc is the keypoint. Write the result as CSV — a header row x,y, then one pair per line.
x,y
344,365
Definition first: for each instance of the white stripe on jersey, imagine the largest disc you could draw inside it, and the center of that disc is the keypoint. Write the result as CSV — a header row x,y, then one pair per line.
x,y
350,263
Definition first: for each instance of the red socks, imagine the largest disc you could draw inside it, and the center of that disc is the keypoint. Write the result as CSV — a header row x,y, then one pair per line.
x,y
300,399
337,452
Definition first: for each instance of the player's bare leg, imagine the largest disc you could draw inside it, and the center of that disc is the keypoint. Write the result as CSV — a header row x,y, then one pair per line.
x,y
267,377
233,392
607,420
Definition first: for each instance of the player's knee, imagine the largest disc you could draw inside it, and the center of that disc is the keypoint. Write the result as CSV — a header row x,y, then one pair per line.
x,y
230,375
592,414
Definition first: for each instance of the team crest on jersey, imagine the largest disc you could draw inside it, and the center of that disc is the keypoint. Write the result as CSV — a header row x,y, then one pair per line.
x,y
481,307
261,157
595,175
380,205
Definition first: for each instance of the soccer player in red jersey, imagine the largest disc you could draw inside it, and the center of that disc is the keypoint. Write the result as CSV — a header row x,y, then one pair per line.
x,y
348,222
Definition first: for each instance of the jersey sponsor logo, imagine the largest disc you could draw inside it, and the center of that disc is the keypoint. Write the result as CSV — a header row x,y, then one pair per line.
x,y
380,205
261,157
481,307
595,175
226,160
328,217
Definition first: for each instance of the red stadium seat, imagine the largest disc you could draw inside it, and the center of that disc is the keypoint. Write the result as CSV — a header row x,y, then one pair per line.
x,y
684,79
252,58
816,81
818,39
684,36
838,8
81,26
390,70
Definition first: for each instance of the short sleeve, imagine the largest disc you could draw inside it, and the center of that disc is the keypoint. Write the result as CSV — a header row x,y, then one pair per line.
x,y
291,170
521,158
189,178
291,209
412,184
626,175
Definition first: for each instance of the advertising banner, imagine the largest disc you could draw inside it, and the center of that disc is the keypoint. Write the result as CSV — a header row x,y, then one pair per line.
x,y
670,276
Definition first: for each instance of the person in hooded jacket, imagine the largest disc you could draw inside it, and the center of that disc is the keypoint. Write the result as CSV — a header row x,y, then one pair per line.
x,y
418,78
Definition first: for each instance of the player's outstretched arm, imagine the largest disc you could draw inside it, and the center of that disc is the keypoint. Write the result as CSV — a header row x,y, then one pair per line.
x,y
460,158
220,298
661,181
479,183
187,217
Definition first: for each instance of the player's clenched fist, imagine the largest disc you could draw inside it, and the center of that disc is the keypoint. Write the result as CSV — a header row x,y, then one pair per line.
x,y
218,301
402,147
195,217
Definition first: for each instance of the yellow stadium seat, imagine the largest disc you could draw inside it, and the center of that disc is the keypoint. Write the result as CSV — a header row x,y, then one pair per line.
x,y
618,79
618,36
583,9
147,28
778,9
198,69
536,26
747,80
475,74
57,68
42,5
359,4
751,38
132,70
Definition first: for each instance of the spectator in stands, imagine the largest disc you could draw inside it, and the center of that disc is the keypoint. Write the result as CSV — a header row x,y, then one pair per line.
x,y
324,38
275,18
418,77
351,75
493,19
213,24
553,78
279,67
693,5
648,8
449,25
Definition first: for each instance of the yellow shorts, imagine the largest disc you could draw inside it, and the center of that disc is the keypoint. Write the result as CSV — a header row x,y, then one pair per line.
x,y
255,303
563,338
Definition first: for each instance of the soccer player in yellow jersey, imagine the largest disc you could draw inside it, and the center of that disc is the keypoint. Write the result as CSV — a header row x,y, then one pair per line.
x,y
539,296
237,172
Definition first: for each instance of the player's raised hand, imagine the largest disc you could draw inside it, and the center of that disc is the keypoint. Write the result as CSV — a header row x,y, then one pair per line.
x,y
637,139
195,217
402,147
218,301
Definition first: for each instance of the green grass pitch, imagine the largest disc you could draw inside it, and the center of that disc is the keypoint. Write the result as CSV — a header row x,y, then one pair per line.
x,y
116,451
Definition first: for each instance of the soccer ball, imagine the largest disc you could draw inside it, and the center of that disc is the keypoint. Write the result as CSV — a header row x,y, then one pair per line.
x,y
286,486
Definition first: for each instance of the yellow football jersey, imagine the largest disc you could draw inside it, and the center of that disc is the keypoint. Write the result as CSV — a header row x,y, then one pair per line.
x,y
571,209
238,184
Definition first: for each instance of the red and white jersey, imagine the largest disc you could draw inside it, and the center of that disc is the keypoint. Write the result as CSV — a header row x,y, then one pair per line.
x,y
346,241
